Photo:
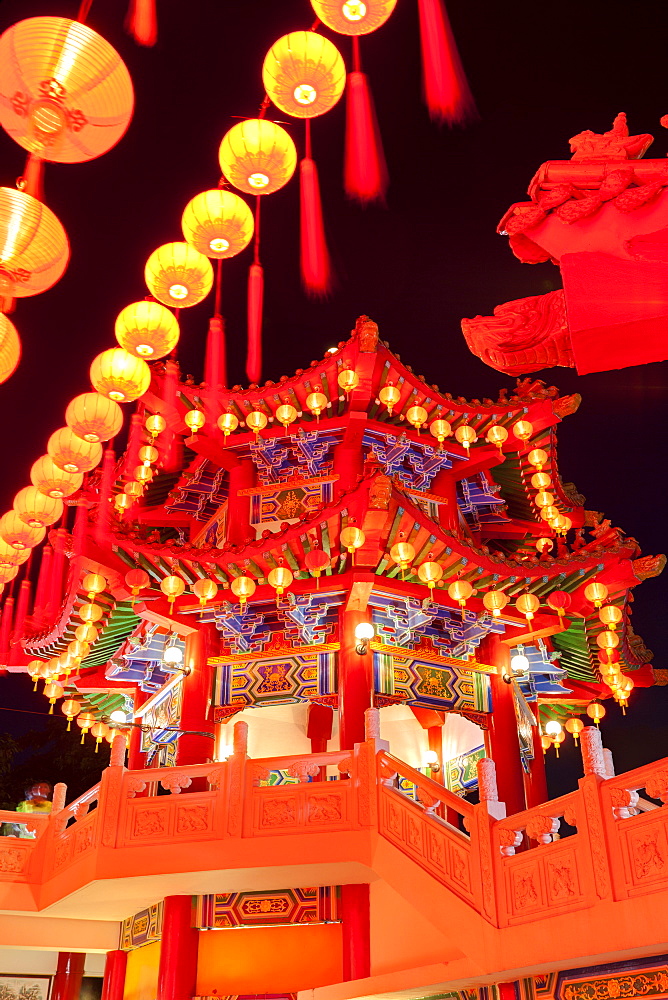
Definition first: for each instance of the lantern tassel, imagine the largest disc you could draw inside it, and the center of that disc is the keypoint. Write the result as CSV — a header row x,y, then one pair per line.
x,y
365,172
215,374
104,508
169,442
142,22
446,89
135,441
255,300
315,265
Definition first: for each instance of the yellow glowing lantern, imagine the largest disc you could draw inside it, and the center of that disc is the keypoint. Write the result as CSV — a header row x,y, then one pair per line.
x,y
78,649
147,330
460,591
430,572
257,156
527,605
316,403
205,590
544,544
53,691
72,96
70,709
33,670
90,612
610,615
497,435
348,379
143,474
52,481
147,454
466,436
218,223
122,502
93,584
495,601
549,513
133,490
353,17
10,557
546,742
541,481
119,375
33,246
625,688
543,499
228,423
178,275
86,633
155,425
94,417
35,508
195,420
243,587
100,731
136,580
280,579
256,421
71,453
19,535
562,524
172,587
416,416
10,347
8,573
352,538
607,639
389,396
595,711
523,429
402,553
440,429
596,593
537,457
85,720
286,414
304,74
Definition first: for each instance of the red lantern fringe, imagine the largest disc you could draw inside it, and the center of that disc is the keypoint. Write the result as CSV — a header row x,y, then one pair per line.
x,y
365,171
446,89
5,628
215,374
255,300
315,265
135,441
170,445
104,504
15,649
142,22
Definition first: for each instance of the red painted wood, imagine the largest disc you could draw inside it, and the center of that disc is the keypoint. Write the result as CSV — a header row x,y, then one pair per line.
x,y
114,975
355,682
192,749
503,740
355,912
69,973
177,972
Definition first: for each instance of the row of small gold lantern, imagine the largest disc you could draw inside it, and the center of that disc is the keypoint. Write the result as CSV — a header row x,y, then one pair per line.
x,y
148,455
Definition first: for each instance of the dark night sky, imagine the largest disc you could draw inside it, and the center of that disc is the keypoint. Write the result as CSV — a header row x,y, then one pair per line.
x,y
539,75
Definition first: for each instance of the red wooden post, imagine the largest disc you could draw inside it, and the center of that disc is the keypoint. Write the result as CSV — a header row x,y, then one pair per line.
x,y
196,698
535,782
355,681
503,739
177,972
69,973
355,911
136,758
113,983
242,477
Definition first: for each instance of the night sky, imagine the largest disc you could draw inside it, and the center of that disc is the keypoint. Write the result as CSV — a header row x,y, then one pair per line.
x,y
539,74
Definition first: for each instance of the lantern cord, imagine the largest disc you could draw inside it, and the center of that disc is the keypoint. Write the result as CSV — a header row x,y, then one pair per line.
x,y
446,89
219,287
84,10
32,181
357,62
266,101
255,304
256,240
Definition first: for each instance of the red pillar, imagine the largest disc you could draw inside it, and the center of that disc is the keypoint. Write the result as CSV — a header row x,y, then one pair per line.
x,y
69,973
6,628
197,696
113,984
504,745
16,653
239,529
177,972
444,485
355,913
136,758
355,681
535,782
43,583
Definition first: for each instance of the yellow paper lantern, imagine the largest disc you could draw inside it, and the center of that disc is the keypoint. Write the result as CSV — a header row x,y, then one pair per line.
x,y
280,579
52,481
90,612
389,396
537,458
527,605
71,453
10,348
544,544
7,573
286,414
243,587
416,416
495,601
78,649
402,553
352,538
466,436
430,572
144,474
596,593
11,558
607,639
256,421
595,711
68,94
70,710
133,490
94,417
316,403
610,615
549,513
440,429
304,74
227,422
523,429
195,420
257,156
86,633
497,435
155,425
460,591
218,223
178,275
348,379
353,17
541,481
122,502
36,509
92,584
147,330
148,453
19,535
574,726
120,375
172,587
205,590
34,249
543,499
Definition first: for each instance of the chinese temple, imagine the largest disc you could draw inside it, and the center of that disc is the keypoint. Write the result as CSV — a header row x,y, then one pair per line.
x,y
331,627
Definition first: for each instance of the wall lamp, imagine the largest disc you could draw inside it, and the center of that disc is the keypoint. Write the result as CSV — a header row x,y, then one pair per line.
x,y
519,666
364,633
430,760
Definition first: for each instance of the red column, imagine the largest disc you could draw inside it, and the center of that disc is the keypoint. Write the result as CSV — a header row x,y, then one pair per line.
x,y
197,696
355,681
177,972
136,759
69,973
504,742
535,782
113,984
444,485
355,913
43,583
242,477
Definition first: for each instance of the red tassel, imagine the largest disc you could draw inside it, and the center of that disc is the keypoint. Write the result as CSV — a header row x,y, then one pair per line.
x,y
141,22
5,629
446,89
33,177
103,521
315,266
135,441
365,172
15,648
215,374
255,299
169,445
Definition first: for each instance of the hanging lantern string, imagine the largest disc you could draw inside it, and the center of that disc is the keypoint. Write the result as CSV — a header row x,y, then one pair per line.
x,y
357,61
218,288
256,237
